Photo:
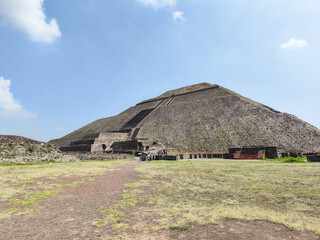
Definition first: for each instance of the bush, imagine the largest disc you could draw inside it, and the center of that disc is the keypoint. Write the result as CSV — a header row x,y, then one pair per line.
x,y
179,228
31,149
293,160
288,159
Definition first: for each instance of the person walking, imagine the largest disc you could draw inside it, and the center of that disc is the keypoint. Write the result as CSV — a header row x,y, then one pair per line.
x,y
149,157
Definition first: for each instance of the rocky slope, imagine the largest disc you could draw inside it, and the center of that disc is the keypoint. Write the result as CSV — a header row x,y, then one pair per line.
x,y
21,149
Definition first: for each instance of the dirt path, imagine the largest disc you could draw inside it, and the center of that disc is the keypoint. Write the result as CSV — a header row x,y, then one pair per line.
x,y
227,229
70,214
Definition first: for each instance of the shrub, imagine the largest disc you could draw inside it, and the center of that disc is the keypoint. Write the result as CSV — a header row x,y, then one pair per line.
x,y
293,160
179,228
31,149
288,159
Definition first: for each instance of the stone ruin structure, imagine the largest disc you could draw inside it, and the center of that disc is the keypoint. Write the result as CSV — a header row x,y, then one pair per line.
x,y
197,118
314,157
114,142
255,152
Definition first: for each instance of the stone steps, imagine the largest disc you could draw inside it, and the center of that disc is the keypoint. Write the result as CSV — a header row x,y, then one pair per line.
x,y
91,136
132,123
125,146
135,133
82,142
77,148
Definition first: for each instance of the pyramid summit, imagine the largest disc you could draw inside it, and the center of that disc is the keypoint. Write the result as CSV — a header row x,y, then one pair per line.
x,y
201,117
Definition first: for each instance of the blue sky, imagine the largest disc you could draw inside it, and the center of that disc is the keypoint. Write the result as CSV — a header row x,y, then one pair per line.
x,y
64,64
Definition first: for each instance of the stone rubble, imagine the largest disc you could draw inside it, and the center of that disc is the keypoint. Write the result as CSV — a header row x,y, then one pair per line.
x,y
21,150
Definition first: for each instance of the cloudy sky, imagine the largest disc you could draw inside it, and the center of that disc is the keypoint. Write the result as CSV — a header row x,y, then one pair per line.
x,y
64,64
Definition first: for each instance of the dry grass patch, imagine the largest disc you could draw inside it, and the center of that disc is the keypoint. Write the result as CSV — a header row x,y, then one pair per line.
x,y
23,185
180,194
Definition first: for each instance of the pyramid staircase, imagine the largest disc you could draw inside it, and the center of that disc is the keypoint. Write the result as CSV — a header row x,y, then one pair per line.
x,y
104,141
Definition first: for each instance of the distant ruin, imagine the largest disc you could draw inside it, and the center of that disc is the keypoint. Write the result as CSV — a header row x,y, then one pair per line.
x,y
197,118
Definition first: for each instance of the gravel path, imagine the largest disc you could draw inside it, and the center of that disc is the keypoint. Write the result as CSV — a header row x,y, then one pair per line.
x,y
70,214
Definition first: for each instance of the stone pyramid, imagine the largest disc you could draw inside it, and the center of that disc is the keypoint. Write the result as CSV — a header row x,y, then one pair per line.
x,y
201,117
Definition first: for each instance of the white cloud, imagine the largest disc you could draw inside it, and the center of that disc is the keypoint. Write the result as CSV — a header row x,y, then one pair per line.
x,y
294,44
178,16
158,3
8,105
28,16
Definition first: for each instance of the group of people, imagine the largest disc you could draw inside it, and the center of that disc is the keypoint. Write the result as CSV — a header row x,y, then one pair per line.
x,y
149,157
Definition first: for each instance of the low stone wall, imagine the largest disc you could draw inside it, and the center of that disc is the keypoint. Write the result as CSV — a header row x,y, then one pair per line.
x,y
76,148
166,157
314,158
101,156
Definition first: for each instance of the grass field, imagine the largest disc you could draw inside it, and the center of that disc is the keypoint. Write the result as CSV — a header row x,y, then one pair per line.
x,y
177,195
22,185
